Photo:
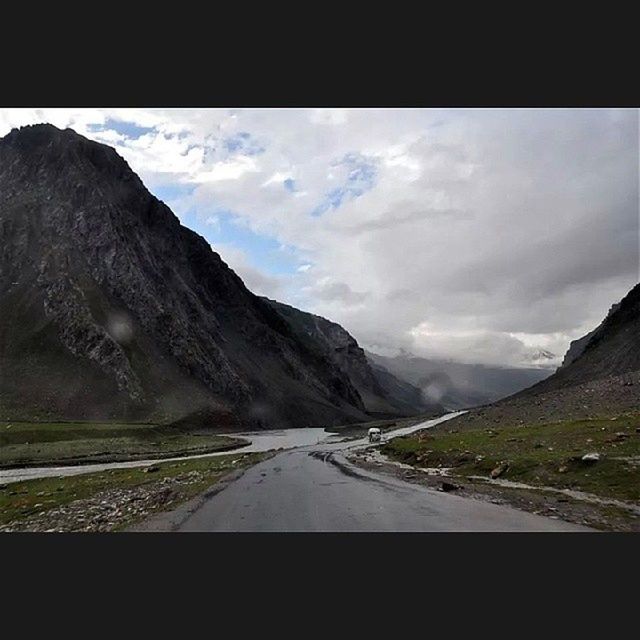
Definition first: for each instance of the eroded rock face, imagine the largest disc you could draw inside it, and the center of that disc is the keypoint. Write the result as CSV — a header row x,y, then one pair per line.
x,y
112,308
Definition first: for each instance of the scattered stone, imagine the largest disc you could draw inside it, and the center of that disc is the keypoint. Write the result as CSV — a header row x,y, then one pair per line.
x,y
152,469
590,458
448,486
563,469
499,470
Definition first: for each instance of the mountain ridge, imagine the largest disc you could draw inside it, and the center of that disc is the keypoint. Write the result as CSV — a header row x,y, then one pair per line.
x,y
383,393
459,385
117,310
602,380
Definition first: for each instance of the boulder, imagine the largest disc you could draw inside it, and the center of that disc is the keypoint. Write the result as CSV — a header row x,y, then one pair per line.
x,y
499,470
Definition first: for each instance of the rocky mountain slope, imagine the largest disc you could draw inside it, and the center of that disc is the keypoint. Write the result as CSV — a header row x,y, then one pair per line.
x,y
112,309
383,393
612,349
458,385
600,381
577,347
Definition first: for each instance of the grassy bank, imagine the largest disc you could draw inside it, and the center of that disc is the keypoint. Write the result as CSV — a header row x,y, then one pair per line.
x,y
538,454
46,443
110,500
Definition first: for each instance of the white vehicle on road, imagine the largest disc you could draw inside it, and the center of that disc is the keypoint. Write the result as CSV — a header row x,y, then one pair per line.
x,y
375,435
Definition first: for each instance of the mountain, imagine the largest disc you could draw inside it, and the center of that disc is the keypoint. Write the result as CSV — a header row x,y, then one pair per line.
x,y
382,393
600,377
111,309
458,385
541,358
612,349
577,347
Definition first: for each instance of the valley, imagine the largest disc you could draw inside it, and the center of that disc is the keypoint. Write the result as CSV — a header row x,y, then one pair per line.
x,y
145,387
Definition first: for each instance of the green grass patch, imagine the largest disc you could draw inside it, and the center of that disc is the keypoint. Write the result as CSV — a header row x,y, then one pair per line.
x,y
22,500
542,455
43,443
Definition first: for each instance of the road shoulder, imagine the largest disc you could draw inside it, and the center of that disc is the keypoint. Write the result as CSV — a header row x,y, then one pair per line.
x,y
531,500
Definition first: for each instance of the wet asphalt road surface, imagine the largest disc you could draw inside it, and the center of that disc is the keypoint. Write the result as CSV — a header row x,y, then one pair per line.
x,y
315,488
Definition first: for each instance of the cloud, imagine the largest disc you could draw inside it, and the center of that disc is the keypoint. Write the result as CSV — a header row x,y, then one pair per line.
x,y
338,292
500,231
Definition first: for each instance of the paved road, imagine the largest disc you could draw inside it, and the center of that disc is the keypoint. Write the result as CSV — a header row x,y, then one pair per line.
x,y
315,488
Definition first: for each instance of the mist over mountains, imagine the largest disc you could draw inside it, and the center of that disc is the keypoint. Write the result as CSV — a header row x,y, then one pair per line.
x,y
459,385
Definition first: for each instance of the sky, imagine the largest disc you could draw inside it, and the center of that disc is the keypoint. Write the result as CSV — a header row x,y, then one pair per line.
x,y
477,235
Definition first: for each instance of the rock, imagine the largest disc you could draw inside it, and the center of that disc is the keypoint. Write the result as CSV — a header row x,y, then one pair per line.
x,y
152,469
563,469
448,486
590,458
499,470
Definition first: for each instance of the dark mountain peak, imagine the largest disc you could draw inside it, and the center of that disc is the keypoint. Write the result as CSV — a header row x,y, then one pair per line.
x,y
33,136
41,148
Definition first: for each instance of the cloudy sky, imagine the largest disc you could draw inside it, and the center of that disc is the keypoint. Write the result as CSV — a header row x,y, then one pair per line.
x,y
478,235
